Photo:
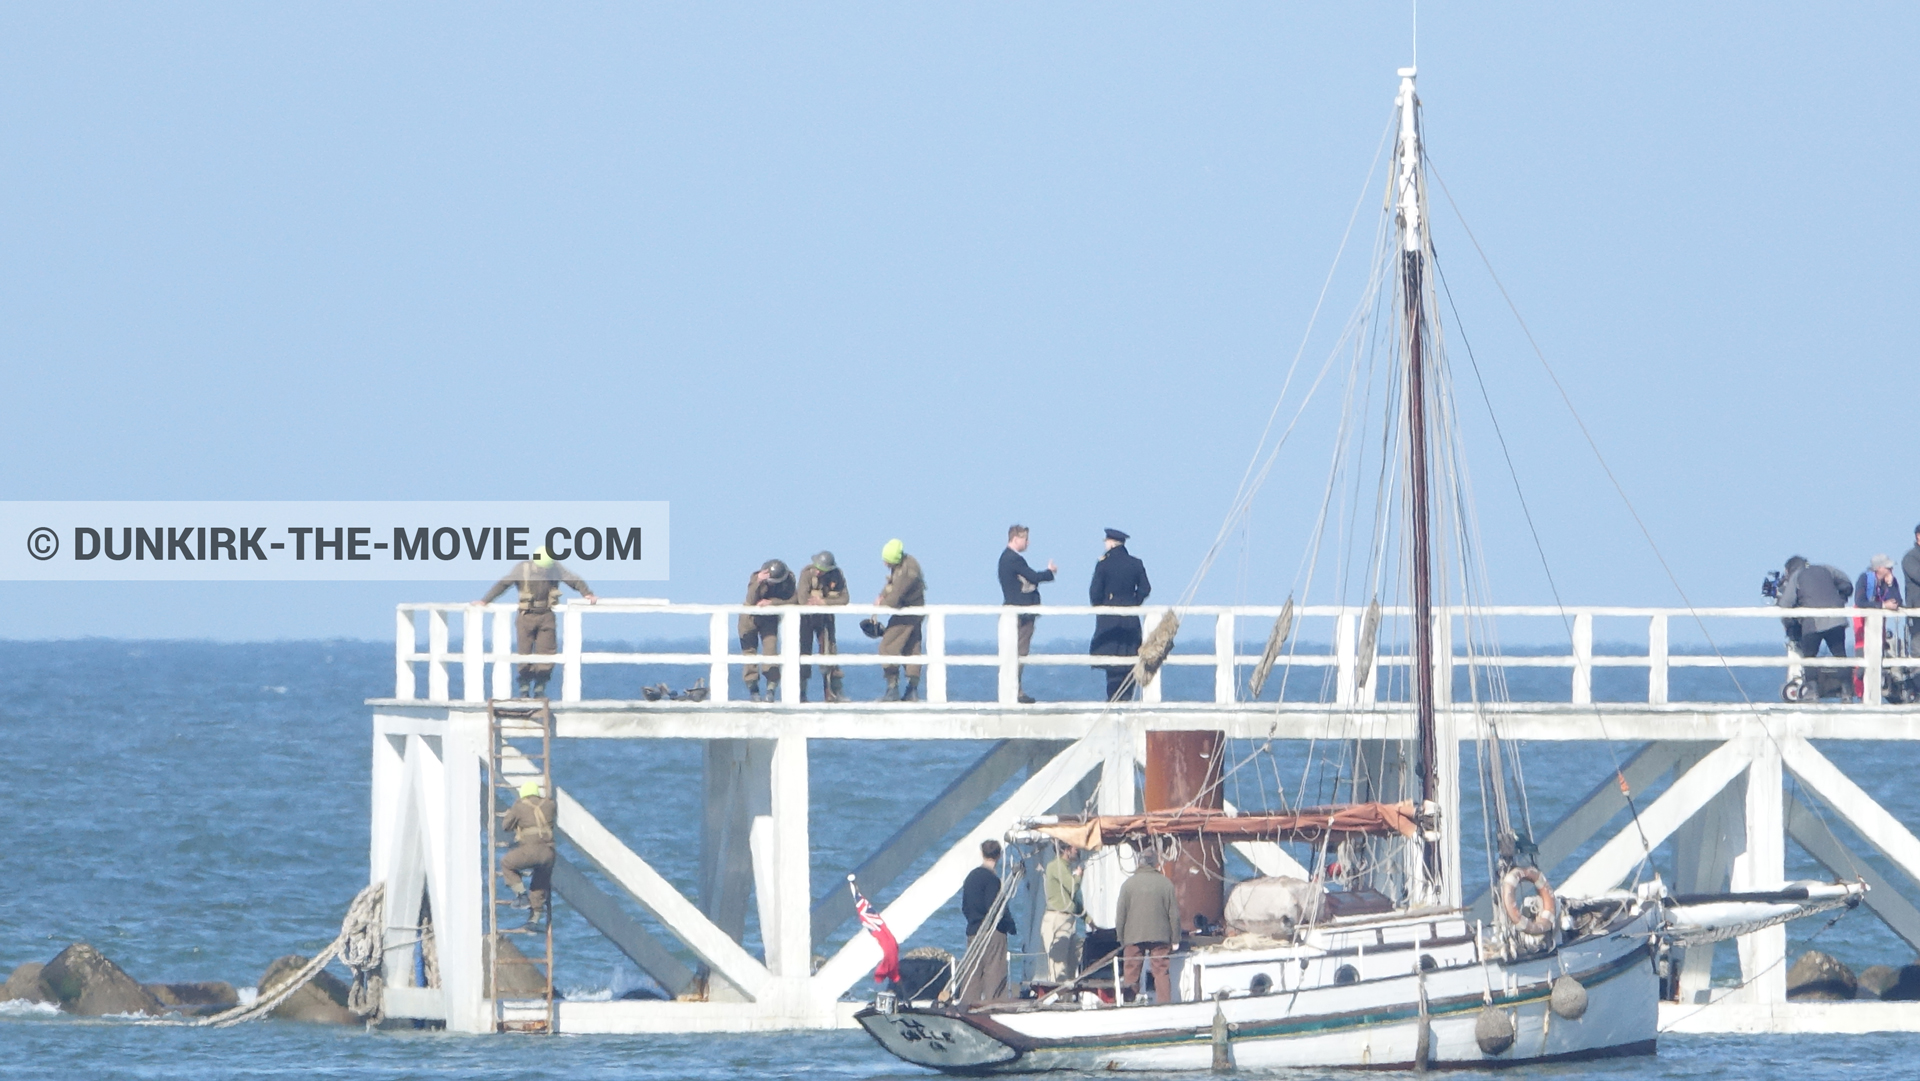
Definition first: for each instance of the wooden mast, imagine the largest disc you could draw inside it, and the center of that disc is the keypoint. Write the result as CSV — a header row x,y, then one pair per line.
x,y
1412,279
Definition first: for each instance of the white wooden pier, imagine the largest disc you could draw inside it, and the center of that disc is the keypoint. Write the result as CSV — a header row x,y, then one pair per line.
x,y
1729,808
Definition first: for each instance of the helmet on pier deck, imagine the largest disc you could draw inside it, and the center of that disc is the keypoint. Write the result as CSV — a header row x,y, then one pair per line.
x,y
530,789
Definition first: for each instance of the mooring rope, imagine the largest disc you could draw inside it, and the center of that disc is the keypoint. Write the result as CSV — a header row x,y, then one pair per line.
x,y
359,947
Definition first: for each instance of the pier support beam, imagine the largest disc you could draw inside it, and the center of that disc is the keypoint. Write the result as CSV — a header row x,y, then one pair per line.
x,y
1107,868
1705,848
787,889
1763,866
737,777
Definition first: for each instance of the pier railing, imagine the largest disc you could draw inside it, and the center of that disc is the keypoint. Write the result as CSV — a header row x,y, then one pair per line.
x,y
484,656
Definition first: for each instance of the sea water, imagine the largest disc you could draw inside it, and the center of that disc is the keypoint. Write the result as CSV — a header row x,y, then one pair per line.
x,y
197,810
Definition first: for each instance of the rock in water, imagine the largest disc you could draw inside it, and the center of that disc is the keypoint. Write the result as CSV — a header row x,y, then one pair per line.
x,y
88,984
1875,980
1905,986
196,998
26,984
322,1001
1820,977
517,976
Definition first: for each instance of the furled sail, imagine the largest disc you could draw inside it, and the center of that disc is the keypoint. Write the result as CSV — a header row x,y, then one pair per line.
x,y
1308,824
1716,917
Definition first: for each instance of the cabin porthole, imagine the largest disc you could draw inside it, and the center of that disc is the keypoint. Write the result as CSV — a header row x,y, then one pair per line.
x,y
1260,984
1427,963
1346,974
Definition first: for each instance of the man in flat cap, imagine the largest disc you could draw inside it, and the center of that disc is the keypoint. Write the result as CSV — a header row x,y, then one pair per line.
x,y
771,585
821,583
1119,581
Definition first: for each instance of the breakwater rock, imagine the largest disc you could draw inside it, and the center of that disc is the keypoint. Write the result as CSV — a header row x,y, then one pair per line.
x,y
322,1001
87,983
201,999
25,984
1820,977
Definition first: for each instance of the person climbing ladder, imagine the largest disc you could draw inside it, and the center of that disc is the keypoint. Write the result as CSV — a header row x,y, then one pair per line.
x,y
531,820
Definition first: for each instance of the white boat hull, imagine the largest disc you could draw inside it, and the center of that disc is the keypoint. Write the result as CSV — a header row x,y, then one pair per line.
x,y
1373,1023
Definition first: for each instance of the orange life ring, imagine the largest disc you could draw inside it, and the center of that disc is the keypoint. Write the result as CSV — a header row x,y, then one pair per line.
x,y
1542,922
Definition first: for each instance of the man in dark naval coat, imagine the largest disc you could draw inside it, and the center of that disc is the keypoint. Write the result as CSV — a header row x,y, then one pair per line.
x,y
1119,580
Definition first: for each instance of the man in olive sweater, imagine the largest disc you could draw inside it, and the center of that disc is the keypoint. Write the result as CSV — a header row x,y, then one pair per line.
x,y
1148,923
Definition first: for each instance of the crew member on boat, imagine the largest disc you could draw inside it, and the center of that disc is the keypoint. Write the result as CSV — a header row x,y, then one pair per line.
x,y
773,584
988,981
531,820
1148,923
539,580
906,588
1062,917
1119,580
821,583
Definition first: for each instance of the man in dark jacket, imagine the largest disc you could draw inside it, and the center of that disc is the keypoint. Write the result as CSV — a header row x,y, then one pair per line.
x,y
1817,585
988,980
1148,922
1020,585
1119,580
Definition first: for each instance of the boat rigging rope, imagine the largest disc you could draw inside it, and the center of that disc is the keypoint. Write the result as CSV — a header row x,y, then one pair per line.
x,y
1632,511
359,947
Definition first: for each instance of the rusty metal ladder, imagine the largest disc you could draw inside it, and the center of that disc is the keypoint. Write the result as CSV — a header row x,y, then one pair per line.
x,y
520,749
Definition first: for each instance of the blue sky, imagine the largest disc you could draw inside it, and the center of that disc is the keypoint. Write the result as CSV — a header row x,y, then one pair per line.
x,y
823,275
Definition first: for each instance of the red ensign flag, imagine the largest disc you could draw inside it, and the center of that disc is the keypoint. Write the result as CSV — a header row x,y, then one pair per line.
x,y
888,970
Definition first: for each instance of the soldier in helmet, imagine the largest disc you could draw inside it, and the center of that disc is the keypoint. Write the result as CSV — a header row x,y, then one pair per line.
x,y
906,588
772,584
531,820
821,583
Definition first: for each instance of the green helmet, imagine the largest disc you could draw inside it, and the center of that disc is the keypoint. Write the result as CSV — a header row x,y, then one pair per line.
x,y
530,789
893,552
541,559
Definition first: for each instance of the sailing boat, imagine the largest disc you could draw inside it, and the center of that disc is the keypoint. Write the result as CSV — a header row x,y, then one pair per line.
x,y
1354,977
